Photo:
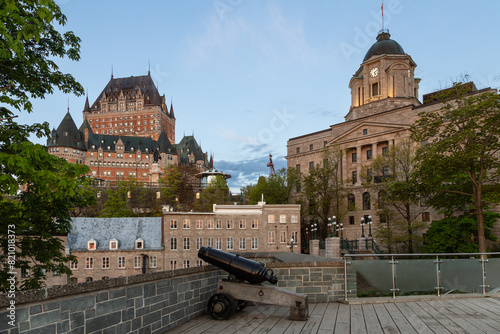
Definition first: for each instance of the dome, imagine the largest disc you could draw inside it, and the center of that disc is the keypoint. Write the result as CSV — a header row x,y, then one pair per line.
x,y
384,45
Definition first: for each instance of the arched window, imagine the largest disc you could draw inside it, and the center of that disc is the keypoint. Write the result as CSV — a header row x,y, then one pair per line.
x,y
351,202
366,201
382,198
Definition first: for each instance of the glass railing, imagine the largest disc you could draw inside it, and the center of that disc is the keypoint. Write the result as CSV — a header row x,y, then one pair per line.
x,y
393,275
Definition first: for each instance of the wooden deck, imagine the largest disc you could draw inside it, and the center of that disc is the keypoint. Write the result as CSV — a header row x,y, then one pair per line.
x,y
464,315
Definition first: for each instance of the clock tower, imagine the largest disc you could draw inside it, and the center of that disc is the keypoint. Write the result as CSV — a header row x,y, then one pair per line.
x,y
384,81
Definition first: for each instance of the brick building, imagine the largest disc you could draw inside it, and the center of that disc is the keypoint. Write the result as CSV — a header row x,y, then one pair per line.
x,y
384,105
122,130
230,228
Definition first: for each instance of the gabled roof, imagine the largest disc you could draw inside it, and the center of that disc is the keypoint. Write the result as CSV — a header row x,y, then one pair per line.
x,y
380,128
67,134
188,146
125,230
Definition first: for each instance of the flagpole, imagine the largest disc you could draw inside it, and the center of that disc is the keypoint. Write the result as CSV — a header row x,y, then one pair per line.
x,y
382,8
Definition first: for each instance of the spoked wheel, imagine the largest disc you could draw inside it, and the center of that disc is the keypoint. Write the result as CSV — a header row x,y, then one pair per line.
x,y
240,305
221,306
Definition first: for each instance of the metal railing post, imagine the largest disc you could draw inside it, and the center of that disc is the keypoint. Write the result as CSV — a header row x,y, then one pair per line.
x,y
345,278
393,277
438,271
483,272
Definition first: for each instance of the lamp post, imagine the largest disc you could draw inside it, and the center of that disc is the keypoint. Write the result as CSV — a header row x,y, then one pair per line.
x,y
292,243
369,226
329,226
362,227
314,228
334,223
341,236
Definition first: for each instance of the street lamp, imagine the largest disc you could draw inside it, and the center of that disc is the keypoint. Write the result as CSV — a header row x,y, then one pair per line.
x,y
334,223
341,232
370,226
362,227
314,228
330,226
292,243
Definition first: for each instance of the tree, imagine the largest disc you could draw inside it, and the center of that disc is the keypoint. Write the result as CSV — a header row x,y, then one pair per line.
x,y
39,214
216,192
325,191
119,199
462,139
395,179
276,188
457,234
177,186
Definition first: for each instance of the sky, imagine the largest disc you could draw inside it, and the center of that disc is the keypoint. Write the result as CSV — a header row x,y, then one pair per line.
x,y
245,76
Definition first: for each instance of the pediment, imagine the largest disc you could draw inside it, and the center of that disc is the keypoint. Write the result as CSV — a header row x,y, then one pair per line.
x,y
373,129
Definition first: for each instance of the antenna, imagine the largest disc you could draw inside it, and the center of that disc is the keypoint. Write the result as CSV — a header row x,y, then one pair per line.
x,y
382,8
271,165
111,71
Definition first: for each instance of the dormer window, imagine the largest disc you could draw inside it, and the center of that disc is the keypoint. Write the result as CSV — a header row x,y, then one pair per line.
x,y
92,244
113,244
139,244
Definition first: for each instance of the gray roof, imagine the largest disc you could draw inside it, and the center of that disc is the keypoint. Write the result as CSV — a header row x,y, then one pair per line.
x,y
125,230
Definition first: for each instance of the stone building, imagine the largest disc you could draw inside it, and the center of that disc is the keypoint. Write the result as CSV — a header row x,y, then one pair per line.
x,y
114,247
384,105
230,228
122,132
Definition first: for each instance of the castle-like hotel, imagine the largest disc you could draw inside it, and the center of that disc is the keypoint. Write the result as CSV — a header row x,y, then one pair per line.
x,y
127,128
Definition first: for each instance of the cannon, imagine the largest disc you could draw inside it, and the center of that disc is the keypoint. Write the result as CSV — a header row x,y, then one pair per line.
x,y
244,284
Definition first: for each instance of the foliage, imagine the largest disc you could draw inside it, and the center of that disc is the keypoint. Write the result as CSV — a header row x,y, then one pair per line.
x,y
177,186
398,197
324,190
461,140
216,192
276,189
38,215
118,202
458,234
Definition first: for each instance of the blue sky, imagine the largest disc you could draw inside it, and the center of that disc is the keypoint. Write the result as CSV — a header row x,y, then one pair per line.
x,y
246,75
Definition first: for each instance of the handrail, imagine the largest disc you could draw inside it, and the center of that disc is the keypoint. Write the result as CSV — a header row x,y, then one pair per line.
x,y
421,254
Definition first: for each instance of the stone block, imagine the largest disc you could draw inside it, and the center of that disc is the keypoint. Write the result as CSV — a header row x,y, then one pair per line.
x,y
175,316
128,314
101,322
63,327
81,303
110,330
24,326
149,290
299,271
111,306
151,317
117,293
77,319
49,329
134,291
79,330
139,302
144,330
100,297
44,319
124,328
35,309
51,306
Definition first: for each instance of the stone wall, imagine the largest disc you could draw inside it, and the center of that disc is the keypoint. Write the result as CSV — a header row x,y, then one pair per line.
x,y
151,303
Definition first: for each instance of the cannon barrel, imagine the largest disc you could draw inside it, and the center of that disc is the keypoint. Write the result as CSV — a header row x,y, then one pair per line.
x,y
243,269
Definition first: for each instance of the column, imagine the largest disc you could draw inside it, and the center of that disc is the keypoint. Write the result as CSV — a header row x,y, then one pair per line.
x,y
314,247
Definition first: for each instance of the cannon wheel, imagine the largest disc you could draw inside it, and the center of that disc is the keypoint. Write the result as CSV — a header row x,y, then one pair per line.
x,y
221,306
241,304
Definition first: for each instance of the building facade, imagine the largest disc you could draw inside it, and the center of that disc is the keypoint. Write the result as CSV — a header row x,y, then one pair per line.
x,y
384,105
126,130
230,228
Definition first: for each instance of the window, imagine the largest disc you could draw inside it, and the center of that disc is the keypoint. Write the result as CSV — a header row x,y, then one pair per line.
x,y
426,217
73,280
211,242
173,224
230,224
270,219
137,261
105,262
139,244
295,236
218,243
366,201
153,261
375,89
173,264
199,242
310,147
385,151
282,237
255,243
271,238
218,224
354,177
230,243
243,224
255,224
187,224
73,265
91,244
382,196
199,263
199,224
185,264
282,219
88,279
385,171
186,243
294,219
369,154
121,262
210,224
25,273
351,220
365,132
243,243
89,263
297,150
297,167
311,165
173,243
354,157
351,202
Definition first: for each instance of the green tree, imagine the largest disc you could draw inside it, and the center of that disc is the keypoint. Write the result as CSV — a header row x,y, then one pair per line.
x,y
216,192
122,199
458,234
325,191
39,214
462,139
276,188
177,187
395,180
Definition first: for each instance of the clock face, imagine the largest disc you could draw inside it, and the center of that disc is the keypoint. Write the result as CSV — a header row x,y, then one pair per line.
x,y
374,72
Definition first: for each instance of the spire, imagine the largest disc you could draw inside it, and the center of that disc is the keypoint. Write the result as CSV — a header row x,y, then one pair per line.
x,y
68,105
111,71
172,110
149,67
87,106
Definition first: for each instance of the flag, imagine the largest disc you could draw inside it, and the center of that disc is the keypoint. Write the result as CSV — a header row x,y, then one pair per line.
x,y
382,8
